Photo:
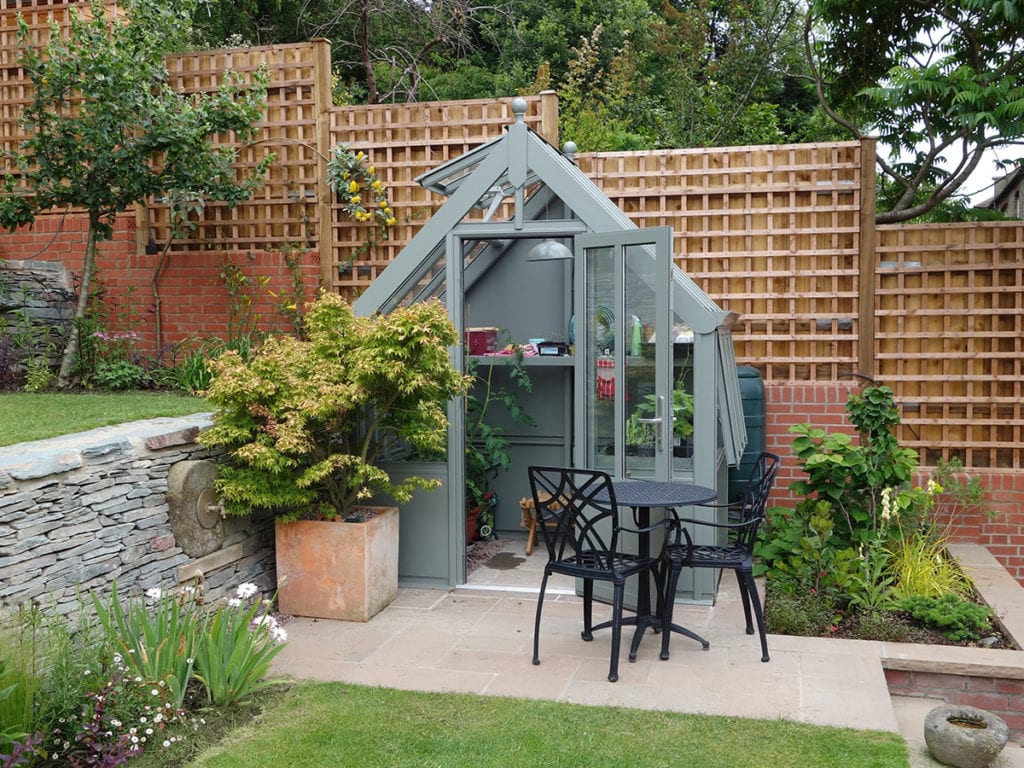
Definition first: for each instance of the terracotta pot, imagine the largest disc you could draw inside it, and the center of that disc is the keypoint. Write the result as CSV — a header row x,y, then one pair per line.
x,y
338,570
472,517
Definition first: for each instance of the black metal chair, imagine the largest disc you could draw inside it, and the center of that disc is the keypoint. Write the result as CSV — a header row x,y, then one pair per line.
x,y
579,520
735,552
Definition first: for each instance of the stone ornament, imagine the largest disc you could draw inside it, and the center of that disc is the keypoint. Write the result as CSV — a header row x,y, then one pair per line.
x,y
963,736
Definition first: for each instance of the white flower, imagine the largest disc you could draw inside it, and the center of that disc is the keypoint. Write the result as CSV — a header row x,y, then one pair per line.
x,y
154,593
279,633
234,602
166,743
155,692
246,589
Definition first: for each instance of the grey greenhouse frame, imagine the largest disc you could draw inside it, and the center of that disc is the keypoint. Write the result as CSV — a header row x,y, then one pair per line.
x,y
562,265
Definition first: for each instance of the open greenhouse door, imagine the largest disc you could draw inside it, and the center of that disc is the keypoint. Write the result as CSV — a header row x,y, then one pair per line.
x,y
624,360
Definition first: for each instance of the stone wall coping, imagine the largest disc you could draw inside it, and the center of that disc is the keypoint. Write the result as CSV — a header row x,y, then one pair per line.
x,y
39,458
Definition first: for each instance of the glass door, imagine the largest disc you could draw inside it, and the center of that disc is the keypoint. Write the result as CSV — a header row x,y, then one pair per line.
x,y
624,352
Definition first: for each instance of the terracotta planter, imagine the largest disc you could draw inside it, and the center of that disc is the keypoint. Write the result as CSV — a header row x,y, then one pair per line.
x,y
338,570
472,519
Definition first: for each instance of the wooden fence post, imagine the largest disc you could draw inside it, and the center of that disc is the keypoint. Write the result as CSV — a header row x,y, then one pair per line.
x,y
324,196
866,310
549,117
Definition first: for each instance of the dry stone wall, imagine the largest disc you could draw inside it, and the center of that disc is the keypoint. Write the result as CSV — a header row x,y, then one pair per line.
x,y
36,305
80,511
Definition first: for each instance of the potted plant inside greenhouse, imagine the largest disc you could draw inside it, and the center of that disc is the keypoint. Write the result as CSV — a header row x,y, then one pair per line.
x,y
640,435
302,425
487,444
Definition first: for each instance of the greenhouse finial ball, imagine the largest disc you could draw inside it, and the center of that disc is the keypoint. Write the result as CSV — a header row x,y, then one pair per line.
x,y
518,106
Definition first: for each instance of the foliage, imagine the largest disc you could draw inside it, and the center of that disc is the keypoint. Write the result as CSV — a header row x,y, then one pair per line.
x,y
803,615
682,409
158,639
852,476
958,619
235,648
20,677
862,539
487,446
305,421
920,566
939,87
358,185
102,114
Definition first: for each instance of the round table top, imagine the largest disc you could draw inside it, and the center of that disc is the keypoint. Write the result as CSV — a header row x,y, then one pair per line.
x,y
658,493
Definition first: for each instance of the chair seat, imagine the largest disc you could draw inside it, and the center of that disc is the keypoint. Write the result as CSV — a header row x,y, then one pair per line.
x,y
725,556
586,565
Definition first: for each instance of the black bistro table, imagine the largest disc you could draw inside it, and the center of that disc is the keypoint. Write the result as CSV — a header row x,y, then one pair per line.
x,y
642,496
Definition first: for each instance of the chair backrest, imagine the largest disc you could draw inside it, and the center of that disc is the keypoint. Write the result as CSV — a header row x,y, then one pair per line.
x,y
754,500
576,513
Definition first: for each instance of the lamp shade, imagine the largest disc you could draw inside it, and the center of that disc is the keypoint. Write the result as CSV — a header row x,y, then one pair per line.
x,y
549,250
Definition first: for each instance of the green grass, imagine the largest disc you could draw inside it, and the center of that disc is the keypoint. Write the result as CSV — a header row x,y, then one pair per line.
x,y
25,416
322,724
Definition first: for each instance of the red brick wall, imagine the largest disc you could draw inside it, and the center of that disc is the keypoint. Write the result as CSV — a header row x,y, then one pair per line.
x,y
193,296
1001,697
824,405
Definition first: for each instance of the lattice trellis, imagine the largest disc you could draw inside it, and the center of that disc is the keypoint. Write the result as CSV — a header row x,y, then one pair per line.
x,y
950,338
771,233
403,141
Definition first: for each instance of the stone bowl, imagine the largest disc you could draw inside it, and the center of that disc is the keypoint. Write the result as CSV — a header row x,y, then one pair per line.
x,y
964,737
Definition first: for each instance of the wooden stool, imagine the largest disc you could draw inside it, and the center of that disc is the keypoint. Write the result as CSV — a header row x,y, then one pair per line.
x,y
529,521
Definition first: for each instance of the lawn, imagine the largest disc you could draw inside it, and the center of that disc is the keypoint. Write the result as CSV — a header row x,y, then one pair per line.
x,y
318,724
25,416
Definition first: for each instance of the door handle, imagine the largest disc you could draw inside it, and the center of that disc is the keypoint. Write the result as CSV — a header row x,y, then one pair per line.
x,y
659,407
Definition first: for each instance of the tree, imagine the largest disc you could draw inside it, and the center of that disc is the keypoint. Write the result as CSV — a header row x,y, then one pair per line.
x,y
388,43
938,83
729,66
105,130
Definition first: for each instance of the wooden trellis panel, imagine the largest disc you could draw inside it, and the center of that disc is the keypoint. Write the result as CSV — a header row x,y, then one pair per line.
x,y
283,211
15,88
950,338
403,141
771,233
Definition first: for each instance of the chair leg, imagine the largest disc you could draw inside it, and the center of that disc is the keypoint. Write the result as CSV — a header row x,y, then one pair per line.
x,y
531,536
588,610
536,623
617,601
745,598
751,587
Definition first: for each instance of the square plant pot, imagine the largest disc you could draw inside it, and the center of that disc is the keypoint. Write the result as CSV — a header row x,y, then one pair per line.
x,y
338,570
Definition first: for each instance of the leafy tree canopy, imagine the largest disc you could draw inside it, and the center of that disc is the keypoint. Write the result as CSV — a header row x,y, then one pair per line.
x,y
938,83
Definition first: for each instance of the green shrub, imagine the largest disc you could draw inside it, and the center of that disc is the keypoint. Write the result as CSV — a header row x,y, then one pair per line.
x,y
958,620
305,421
119,375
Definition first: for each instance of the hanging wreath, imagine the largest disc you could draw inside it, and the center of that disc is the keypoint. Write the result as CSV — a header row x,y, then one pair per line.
x,y
362,193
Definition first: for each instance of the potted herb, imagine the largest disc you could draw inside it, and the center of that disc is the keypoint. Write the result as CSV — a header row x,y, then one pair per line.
x,y
302,426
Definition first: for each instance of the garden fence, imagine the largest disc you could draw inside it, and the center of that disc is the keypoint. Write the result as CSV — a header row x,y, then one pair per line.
x,y
782,235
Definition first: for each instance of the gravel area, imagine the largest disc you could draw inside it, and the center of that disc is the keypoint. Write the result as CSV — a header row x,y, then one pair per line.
x,y
479,552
